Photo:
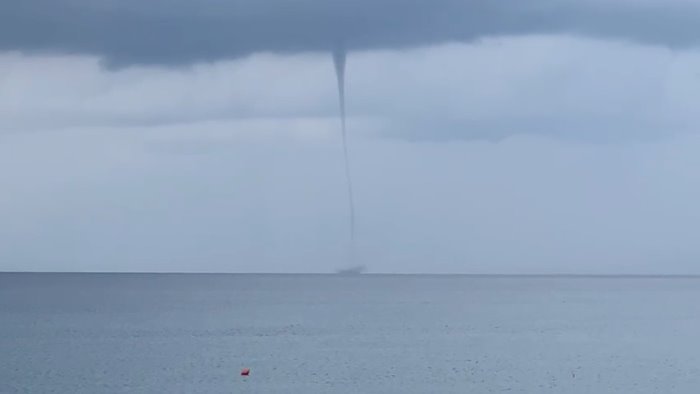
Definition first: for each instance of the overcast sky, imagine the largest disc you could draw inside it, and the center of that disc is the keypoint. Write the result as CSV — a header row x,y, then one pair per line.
x,y
485,137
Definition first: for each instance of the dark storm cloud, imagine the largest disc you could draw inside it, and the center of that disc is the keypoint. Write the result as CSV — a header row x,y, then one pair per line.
x,y
185,31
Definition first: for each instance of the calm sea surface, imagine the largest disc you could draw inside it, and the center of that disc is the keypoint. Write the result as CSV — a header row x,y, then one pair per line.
x,y
119,333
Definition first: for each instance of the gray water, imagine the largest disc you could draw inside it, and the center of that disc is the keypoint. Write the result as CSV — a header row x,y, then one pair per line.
x,y
116,333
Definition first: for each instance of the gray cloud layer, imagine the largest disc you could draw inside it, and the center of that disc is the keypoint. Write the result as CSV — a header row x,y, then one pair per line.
x,y
185,31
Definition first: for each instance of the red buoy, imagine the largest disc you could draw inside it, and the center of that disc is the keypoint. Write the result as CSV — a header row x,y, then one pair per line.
x,y
245,372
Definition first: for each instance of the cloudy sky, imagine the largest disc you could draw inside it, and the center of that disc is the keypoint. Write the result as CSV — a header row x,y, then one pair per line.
x,y
485,137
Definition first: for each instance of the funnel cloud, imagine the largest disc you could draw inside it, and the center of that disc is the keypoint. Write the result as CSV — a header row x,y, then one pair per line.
x,y
339,60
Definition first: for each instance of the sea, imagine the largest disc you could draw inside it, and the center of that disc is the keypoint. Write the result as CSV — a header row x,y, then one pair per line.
x,y
194,333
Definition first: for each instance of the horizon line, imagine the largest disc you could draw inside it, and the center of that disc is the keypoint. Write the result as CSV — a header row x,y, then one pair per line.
x,y
492,275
